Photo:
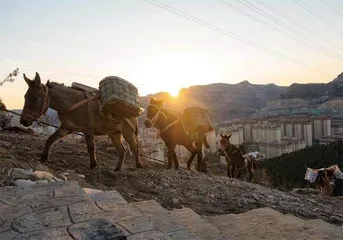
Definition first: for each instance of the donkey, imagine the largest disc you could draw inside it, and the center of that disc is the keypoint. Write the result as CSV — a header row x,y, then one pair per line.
x,y
77,112
234,158
172,132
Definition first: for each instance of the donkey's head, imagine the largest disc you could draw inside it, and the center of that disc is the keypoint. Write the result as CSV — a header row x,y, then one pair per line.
x,y
152,112
36,101
224,143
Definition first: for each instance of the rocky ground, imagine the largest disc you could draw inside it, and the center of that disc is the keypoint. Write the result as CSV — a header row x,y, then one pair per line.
x,y
205,194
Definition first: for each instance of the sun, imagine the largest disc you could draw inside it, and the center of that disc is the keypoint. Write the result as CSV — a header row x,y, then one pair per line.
x,y
172,71
174,92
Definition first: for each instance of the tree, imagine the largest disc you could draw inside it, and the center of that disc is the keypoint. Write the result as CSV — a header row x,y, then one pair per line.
x,y
6,119
10,77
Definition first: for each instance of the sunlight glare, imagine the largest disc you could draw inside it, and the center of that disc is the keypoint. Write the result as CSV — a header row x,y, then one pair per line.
x,y
171,72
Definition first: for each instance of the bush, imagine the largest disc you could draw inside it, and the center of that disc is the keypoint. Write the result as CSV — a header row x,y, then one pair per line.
x,y
288,170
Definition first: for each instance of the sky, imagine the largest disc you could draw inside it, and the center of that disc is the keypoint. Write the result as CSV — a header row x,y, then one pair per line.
x,y
157,50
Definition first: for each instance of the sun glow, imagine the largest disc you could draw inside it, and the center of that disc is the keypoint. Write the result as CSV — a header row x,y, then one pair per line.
x,y
171,72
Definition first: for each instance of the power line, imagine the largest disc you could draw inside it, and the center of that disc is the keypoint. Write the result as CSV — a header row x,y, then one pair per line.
x,y
320,17
322,48
232,35
332,8
297,24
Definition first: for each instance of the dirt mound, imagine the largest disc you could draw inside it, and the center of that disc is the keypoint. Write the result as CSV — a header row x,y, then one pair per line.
x,y
205,194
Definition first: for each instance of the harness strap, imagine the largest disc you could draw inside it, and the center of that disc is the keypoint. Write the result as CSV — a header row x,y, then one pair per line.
x,y
81,103
130,123
167,127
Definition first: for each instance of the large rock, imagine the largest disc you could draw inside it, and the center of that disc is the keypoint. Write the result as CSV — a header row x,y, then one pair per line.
x,y
266,223
18,173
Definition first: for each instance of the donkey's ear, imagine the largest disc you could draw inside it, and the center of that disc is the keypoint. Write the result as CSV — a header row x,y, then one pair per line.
x,y
27,80
221,135
37,80
228,136
48,84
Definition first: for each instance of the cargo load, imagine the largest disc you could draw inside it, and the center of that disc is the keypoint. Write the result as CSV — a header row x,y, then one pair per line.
x,y
249,147
196,118
119,97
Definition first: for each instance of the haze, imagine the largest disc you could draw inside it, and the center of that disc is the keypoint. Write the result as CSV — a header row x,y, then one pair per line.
x,y
85,41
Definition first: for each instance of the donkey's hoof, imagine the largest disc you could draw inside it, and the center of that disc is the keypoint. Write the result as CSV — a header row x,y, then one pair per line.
x,y
139,165
176,167
92,166
169,167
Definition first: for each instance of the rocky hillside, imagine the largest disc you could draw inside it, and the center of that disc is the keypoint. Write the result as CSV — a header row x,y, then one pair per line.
x,y
308,99
316,92
205,194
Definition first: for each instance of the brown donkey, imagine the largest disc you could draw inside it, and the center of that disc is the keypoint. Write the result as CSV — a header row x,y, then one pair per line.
x,y
77,112
172,132
234,158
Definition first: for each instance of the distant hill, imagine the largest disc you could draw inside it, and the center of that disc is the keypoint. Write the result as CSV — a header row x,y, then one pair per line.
x,y
225,101
308,99
230,101
319,91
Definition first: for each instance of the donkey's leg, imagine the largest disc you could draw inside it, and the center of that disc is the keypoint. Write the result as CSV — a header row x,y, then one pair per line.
x,y
233,168
90,141
170,157
198,145
189,146
132,140
117,142
249,169
228,168
176,162
58,134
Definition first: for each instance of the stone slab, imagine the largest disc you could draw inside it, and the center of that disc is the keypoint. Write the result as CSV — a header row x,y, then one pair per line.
x,y
51,233
123,213
42,219
270,224
96,229
83,211
41,204
198,225
8,234
149,235
138,224
106,196
182,235
9,214
150,208
73,189
24,195
167,223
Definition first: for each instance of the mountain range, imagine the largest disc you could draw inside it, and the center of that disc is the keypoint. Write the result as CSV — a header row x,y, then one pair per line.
x,y
229,101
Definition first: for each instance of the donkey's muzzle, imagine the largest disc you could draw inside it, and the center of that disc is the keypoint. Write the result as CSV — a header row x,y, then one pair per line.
x,y
25,122
148,123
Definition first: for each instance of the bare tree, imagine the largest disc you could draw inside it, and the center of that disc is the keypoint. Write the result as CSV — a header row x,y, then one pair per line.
x,y
10,77
6,119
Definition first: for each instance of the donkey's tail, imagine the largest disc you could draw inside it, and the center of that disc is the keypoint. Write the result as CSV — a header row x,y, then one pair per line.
x,y
206,143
